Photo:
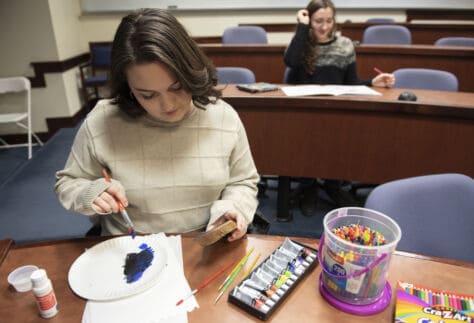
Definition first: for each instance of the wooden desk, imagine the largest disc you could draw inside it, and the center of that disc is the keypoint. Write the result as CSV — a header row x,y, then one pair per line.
x,y
305,302
365,138
266,61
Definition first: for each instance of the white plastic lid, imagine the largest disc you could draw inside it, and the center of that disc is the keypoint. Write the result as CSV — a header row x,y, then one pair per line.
x,y
38,276
20,278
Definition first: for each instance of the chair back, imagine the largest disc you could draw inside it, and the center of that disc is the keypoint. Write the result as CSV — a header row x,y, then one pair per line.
x,y
425,79
14,84
21,118
386,34
229,75
245,35
435,213
455,41
380,20
100,56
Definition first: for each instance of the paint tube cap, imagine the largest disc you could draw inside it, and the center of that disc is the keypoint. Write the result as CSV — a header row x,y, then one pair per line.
x,y
20,278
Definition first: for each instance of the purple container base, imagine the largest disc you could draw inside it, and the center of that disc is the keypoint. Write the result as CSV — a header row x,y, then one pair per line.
x,y
367,309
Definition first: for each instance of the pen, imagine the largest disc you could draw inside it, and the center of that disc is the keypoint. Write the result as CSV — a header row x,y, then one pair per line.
x,y
122,210
233,275
235,268
378,71
205,283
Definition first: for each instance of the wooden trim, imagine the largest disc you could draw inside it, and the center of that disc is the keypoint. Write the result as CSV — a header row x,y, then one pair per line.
x,y
276,27
208,40
54,124
40,68
421,14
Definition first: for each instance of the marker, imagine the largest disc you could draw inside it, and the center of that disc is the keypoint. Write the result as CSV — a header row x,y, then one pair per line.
x,y
378,71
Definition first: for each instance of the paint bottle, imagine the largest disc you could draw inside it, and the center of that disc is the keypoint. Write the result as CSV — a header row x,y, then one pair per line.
x,y
44,294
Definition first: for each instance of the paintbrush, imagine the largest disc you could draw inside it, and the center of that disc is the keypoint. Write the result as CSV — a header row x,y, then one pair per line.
x,y
232,275
205,283
122,210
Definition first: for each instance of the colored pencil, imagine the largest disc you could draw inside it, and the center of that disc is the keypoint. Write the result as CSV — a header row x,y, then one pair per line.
x,y
122,210
205,283
378,71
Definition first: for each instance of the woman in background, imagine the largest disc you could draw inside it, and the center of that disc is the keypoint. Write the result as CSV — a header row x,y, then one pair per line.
x,y
316,55
178,155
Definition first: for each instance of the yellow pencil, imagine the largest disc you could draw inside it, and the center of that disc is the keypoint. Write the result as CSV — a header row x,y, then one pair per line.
x,y
244,258
252,265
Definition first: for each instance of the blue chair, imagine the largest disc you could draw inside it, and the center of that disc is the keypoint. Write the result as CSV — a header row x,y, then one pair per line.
x,y
455,41
229,75
386,34
245,35
94,74
380,20
427,79
435,213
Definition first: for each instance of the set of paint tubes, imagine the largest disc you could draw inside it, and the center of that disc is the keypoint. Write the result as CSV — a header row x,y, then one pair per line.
x,y
265,288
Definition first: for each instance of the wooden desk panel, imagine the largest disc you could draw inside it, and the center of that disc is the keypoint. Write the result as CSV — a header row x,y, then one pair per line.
x,y
266,61
304,302
371,139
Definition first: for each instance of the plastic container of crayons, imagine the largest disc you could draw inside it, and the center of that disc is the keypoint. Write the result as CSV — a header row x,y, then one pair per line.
x,y
265,288
355,252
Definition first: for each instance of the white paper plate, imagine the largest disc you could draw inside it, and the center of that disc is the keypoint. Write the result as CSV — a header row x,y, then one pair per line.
x,y
98,273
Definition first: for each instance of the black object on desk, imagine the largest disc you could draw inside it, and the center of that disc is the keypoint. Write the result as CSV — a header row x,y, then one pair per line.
x,y
407,96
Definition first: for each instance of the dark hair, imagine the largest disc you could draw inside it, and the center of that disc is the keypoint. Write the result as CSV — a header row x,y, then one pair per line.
x,y
310,53
155,35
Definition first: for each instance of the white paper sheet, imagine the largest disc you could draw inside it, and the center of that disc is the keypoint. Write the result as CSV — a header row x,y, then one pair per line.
x,y
306,90
157,304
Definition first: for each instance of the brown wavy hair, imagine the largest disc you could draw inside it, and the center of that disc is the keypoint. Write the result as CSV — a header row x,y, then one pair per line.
x,y
155,35
310,52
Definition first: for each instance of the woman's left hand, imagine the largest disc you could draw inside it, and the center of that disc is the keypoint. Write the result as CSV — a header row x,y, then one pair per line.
x,y
241,229
384,80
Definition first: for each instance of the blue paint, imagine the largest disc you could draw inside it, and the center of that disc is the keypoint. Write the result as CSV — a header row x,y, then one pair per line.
x,y
137,263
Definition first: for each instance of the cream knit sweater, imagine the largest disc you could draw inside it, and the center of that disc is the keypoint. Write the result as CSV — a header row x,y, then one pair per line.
x,y
177,177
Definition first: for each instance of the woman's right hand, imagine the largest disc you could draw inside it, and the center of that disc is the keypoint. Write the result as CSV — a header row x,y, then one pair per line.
x,y
106,202
302,17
